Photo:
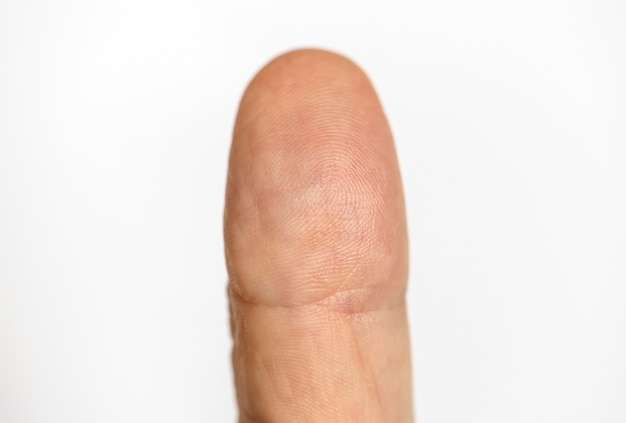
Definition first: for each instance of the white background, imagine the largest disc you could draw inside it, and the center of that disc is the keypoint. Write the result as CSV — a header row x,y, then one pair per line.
x,y
115,118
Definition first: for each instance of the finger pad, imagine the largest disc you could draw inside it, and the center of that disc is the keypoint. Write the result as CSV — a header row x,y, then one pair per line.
x,y
314,208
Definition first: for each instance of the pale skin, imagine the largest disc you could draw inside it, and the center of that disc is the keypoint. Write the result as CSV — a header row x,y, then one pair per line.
x,y
316,249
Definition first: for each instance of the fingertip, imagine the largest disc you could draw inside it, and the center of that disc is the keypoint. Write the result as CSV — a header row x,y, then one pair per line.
x,y
314,193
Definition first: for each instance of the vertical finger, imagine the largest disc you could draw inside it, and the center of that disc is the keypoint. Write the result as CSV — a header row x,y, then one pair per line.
x,y
316,248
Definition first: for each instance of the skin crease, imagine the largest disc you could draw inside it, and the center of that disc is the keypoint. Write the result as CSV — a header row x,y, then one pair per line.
x,y
316,248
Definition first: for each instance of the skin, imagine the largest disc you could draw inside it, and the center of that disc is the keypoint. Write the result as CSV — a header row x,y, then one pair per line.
x,y
316,248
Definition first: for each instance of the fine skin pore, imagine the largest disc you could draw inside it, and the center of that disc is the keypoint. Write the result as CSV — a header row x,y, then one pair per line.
x,y
316,249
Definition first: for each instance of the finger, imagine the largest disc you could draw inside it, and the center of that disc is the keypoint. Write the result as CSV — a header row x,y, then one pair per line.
x,y
316,248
